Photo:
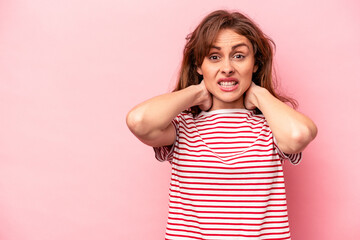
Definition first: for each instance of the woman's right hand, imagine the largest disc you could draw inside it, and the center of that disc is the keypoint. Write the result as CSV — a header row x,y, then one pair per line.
x,y
205,97
150,121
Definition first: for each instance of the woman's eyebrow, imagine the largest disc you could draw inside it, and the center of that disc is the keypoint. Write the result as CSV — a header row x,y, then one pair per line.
x,y
240,45
213,46
233,47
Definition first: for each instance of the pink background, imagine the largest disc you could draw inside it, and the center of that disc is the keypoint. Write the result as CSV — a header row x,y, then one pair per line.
x,y
70,70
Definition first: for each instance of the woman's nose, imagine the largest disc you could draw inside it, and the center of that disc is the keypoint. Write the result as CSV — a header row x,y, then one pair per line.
x,y
227,67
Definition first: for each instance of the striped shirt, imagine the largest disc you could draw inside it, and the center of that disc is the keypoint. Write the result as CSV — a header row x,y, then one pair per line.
x,y
227,178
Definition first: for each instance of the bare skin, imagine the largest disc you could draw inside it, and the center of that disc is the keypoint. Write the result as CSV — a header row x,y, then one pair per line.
x,y
150,121
227,72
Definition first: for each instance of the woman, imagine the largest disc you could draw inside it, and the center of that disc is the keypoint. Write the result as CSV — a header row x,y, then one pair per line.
x,y
226,133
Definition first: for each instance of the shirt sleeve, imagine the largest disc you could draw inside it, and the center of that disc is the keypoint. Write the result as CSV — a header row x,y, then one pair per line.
x,y
165,153
294,158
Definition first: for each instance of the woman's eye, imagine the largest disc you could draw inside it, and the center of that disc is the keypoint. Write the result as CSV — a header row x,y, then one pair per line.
x,y
214,57
239,56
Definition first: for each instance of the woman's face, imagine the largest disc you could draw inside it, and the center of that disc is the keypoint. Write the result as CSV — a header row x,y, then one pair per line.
x,y
228,69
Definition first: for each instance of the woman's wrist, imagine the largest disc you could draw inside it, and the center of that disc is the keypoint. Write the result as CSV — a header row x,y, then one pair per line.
x,y
258,94
197,94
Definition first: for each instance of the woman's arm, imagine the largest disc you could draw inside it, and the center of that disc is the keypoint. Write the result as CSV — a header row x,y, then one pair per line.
x,y
293,131
150,121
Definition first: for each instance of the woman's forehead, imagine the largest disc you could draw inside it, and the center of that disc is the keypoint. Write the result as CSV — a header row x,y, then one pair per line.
x,y
229,38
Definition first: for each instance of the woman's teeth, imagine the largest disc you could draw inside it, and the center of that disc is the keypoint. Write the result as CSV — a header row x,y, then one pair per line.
x,y
224,84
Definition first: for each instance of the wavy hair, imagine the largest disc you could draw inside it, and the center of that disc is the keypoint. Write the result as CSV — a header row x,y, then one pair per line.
x,y
199,42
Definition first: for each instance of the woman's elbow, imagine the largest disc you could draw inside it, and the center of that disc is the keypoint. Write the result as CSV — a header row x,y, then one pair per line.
x,y
134,121
301,138
307,134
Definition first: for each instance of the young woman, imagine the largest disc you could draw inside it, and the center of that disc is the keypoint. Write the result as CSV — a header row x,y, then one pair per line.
x,y
226,134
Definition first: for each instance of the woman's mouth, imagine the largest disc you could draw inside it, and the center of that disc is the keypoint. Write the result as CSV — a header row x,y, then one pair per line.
x,y
228,84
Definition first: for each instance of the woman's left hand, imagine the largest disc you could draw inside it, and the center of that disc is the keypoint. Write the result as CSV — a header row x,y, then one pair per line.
x,y
292,130
250,100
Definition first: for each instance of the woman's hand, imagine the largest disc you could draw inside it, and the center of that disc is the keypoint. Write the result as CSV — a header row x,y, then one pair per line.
x,y
292,130
205,97
250,100
150,121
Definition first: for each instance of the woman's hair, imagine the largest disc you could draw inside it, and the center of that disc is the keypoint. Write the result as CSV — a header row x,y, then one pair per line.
x,y
202,38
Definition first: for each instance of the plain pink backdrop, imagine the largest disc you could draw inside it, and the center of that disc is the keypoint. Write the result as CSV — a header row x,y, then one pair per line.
x,y
70,71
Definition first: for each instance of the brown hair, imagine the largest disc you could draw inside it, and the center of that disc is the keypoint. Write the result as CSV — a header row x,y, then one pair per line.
x,y
201,39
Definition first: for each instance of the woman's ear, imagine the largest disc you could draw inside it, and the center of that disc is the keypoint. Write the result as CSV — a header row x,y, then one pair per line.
x,y
255,68
199,71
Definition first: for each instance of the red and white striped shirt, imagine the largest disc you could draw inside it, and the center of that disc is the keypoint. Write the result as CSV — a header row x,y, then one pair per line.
x,y
227,179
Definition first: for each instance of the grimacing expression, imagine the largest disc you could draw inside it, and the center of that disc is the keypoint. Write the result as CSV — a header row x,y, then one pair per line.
x,y
228,69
